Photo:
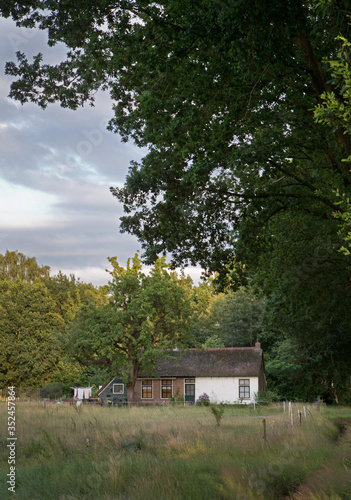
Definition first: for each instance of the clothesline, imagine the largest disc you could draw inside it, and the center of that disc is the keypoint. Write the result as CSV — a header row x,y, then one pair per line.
x,y
82,392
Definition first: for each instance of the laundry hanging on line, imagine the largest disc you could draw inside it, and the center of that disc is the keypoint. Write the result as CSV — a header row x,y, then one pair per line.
x,y
82,392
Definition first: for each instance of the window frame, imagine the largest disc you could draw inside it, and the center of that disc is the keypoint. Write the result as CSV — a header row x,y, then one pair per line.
x,y
244,386
162,385
147,387
119,392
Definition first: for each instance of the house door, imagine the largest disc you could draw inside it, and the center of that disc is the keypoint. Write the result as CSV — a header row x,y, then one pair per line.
x,y
189,390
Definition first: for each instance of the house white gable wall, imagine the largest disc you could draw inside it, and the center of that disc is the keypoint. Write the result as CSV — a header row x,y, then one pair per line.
x,y
224,389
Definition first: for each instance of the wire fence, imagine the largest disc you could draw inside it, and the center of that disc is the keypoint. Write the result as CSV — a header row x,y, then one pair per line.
x,y
296,410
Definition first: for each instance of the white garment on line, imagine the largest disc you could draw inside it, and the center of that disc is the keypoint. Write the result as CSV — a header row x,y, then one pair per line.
x,y
87,392
82,392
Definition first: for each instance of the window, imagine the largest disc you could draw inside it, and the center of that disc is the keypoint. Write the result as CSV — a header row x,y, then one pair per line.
x,y
166,389
118,388
244,388
146,389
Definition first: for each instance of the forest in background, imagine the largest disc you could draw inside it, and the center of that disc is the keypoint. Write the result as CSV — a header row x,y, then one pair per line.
x,y
57,332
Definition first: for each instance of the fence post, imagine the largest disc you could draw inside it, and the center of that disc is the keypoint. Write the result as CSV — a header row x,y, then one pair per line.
x,y
264,433
284,405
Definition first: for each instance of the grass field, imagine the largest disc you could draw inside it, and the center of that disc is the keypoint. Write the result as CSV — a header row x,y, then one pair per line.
x,y
176,453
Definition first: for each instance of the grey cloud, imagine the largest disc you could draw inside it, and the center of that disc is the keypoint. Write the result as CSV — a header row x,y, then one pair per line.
x,y
71,155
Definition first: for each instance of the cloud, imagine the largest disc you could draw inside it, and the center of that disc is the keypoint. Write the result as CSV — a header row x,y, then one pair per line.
x,y
56,167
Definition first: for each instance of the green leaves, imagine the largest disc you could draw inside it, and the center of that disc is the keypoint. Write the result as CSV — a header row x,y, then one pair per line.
x,y
28,325
220,93
35,310
235,319
146,314
15,265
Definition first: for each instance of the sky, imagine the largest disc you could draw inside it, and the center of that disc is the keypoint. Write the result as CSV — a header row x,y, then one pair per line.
x,y
56,168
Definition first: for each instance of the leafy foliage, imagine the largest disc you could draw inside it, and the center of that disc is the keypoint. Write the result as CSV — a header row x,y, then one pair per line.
x,y
15,265
52,391
235,319
28,325
35,308
220,92
146,315
217,411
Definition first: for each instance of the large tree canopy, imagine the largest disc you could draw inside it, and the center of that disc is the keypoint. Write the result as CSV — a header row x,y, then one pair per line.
x,y
145,317
222,94
34,308
28,325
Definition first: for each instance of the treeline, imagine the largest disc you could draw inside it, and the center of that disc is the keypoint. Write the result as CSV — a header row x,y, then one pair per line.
x,y
36,310
58,330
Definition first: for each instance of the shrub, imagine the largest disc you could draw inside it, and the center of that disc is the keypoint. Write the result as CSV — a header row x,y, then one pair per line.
x,y
52,391
177,398
217,411
203,400
267,397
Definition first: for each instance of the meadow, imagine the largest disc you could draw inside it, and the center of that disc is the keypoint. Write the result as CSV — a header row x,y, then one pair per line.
x,y
177,453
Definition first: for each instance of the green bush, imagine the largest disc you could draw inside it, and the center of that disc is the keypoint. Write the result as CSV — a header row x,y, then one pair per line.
x,y
267,397
52,391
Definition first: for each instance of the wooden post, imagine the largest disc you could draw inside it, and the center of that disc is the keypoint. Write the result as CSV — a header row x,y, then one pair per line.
x,y
264,433
284,405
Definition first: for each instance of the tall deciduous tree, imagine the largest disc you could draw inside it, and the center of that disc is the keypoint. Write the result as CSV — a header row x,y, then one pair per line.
x,y
221,93
69,293
146,315
235,318
35,308
29,324
16,266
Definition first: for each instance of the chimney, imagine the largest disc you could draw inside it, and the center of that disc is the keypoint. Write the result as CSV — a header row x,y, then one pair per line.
x,y
257,345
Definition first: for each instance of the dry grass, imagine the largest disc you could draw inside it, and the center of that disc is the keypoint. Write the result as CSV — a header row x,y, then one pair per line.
x,y
65,453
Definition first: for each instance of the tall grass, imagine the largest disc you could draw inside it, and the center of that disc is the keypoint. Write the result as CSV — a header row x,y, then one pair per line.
x,y
69,453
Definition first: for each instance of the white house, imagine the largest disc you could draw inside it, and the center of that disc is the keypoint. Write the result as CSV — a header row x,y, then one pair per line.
x,y
231,375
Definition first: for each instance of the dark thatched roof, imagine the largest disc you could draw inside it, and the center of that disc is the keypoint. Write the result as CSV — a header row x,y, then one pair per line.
x,y
219,362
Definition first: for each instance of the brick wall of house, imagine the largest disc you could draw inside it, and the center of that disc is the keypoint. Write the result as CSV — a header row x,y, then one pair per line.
x,y
177,391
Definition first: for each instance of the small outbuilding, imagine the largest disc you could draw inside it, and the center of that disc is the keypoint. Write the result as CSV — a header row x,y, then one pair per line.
x,y
113,393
